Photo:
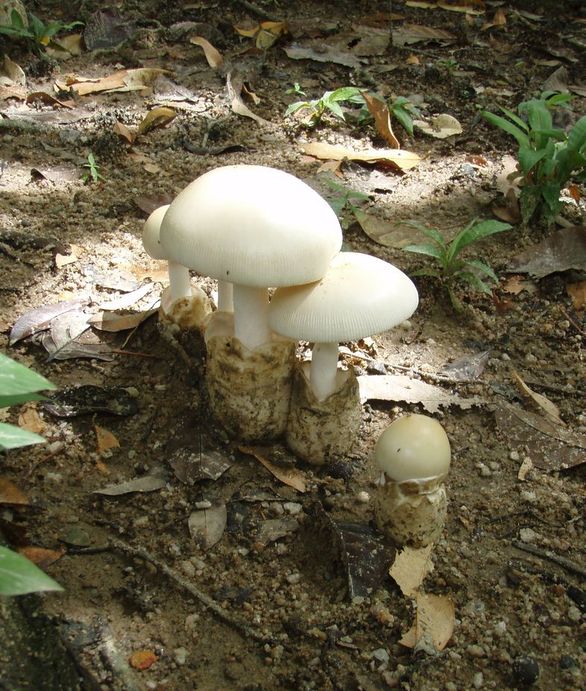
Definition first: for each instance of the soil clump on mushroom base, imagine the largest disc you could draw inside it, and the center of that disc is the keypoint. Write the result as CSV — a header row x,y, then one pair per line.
x,y
280,566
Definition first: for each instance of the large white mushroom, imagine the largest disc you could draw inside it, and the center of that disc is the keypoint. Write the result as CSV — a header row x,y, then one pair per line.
x,y
255,227
358,296
413,455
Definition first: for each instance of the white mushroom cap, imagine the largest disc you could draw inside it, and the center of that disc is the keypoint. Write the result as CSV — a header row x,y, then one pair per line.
x,y
252,225
359,296
151,233
413,447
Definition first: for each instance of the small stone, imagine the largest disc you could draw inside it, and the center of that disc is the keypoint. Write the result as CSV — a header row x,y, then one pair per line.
x,y
204,504
363,497
514,456
475,650
483,469
191,621
292,507
525,670
574,613
528,496
381,655
530,358
293,578
567,662
528,535
478,680
180,655
188,568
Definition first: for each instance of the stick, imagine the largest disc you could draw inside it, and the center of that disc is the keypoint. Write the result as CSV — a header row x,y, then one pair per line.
x,y
254,9
567,564
210,604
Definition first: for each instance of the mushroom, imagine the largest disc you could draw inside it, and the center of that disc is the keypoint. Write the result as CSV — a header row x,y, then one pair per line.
x,y
255,227
410,503
359,296
181,304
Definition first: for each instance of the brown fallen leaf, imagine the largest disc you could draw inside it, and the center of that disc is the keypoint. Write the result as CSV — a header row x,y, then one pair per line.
x,y
288,476
577,291
114,322
562,250
122,131
537,401
517,284
206,526
29,419
213,56
397,158
323,53
410,568
382,119
434,623
47,100
440,126
13,72
41,556
238,106
386,232
408,34
157,117
123,80
498,21
10,494
105,440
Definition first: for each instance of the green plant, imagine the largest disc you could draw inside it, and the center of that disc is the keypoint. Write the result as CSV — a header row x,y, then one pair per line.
x,y
548,157
92,173
19,384
450,266
343,200
35,30
328,103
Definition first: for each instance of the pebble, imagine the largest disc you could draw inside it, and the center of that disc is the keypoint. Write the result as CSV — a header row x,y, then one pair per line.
x,y
529,497
525,670
292,507
180,655
293,578
478,680
191,621
574,613
567,662
528,535
514,456
530,358
204,504
475,650
483,470
363,497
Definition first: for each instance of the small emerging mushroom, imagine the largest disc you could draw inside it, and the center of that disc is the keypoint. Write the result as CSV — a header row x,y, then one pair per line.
x,y
410,503
182,304
359,296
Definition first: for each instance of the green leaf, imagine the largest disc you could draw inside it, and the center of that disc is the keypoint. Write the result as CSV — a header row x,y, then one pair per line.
x,y
12,437
344,93
19,576
428,250
474,232
335,109
17,399
298,105
483,268
507,126
474,280
16,379
577,137
404,118
528,158
16,21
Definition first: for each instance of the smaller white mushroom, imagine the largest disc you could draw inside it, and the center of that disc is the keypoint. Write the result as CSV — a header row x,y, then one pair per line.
x,y
179,285
410,501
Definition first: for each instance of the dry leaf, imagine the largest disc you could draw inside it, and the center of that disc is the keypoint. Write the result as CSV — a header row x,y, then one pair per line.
x,y
105,439
207,526
414,33
213,56
562,250
157,117
41,556
65,47
467,6
382,119
13,73
237,104
113,322
410,568
517,284
10,494
288,476
123,80
323,53
145,483
29,419
48,100
398,158
127,300
524,469
395,234
499,20
440,126
399,387
122,131
577,291
434,623
540,402
62,260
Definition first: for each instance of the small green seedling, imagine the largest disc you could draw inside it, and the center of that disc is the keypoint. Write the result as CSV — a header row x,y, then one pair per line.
x,y
19,384
450,267
36,32
330,103
343,200
548,157
92,174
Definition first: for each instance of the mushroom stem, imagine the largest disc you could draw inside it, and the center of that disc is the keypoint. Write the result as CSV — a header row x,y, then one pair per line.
x,y
179,284
322,373
251,326
225,299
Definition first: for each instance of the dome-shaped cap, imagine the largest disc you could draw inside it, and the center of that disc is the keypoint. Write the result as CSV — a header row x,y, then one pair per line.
x,y
413,447
252,225
151,233
359,296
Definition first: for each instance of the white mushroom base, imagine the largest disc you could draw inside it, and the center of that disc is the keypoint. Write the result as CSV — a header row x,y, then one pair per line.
x,y
186,312
248,390
411,513
321,431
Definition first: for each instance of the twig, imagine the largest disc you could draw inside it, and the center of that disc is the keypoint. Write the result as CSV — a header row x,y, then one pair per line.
x,y
254,9
567,564
224,616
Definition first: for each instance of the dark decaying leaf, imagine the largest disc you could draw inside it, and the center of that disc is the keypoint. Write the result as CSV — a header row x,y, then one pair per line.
x,y
88,399
563,250
106,29
193,465
274,529
146,483
147,204
39,319
363,553
467,368
207,526
551,447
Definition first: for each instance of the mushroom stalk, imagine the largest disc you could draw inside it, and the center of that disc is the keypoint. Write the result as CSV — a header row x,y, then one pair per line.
x,y
251,326
225,299
179,283
323,369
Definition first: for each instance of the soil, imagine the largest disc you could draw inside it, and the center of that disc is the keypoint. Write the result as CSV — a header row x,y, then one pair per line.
x,y
251,611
